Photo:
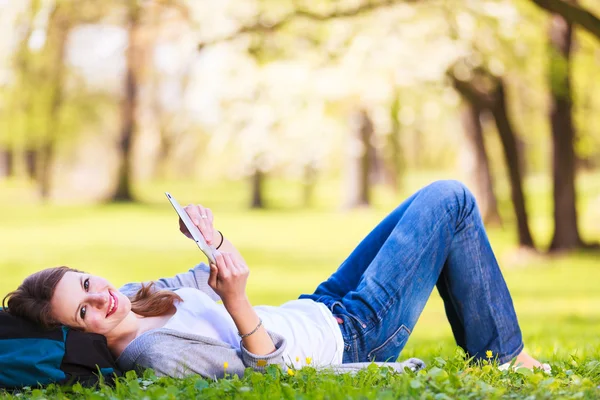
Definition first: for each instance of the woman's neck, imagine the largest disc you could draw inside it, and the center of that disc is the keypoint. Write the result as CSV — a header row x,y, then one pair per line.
x,y
132,327
123,334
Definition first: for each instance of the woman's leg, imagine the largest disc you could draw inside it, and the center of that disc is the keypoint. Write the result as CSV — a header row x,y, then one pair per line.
x,y
348,275
438,239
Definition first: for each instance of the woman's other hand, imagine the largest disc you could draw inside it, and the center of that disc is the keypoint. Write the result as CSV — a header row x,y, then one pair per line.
x,y
203,218
228,279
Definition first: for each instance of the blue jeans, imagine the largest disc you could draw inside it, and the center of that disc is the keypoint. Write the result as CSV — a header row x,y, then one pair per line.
x,y
435,238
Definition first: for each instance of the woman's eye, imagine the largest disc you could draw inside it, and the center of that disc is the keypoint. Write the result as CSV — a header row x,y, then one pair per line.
x,y
82,313
86,284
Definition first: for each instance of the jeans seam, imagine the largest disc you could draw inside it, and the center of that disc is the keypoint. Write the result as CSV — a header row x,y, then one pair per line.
x,y
385,308
393,335
488,296
453,302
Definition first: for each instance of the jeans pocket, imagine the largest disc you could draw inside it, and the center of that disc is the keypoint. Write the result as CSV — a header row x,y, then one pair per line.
x,y
350,315
390,349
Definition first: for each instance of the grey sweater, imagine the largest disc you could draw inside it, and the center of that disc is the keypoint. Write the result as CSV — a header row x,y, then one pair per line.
x,y
172,353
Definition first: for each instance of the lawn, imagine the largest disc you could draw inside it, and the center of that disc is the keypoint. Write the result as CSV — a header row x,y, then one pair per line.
x,y
290,250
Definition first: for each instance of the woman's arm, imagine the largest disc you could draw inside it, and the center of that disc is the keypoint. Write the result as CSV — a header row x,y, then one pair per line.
x,y
226,246
228,279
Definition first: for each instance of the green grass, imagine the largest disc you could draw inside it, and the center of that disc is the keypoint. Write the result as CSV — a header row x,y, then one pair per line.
x,y
290,250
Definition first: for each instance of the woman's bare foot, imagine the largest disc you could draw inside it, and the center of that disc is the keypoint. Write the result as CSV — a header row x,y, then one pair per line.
x,y
525,360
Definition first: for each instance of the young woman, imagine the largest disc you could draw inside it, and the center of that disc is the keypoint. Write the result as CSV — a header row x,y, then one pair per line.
x,y
364,312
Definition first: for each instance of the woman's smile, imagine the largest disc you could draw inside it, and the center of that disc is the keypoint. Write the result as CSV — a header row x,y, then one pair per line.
x,y
114,304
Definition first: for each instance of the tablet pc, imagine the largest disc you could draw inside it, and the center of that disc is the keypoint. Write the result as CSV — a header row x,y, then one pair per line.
x,y
193,229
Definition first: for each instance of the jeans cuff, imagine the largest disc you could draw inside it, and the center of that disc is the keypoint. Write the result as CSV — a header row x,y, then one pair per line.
x,y
507,358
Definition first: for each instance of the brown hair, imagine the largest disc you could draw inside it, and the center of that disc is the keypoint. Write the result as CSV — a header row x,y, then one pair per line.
x,y
32,298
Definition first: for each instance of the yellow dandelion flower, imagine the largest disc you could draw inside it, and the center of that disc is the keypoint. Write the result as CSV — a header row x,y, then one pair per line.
x,y
225,365
291,372
261,363
489,354
308,360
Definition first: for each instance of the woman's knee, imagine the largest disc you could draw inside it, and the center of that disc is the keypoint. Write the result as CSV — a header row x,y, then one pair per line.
x,y
450,187
451,192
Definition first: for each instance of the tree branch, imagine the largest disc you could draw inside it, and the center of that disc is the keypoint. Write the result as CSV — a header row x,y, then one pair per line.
x,y
266,26
573,13
477,90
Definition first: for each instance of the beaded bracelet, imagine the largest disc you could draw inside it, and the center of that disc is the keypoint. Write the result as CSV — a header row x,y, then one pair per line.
x,y
254,331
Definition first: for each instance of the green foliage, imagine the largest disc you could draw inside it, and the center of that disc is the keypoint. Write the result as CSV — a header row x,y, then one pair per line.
x,y
556,298
444,378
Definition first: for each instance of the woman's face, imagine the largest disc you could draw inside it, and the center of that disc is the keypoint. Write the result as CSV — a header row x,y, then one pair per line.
x,y
89,303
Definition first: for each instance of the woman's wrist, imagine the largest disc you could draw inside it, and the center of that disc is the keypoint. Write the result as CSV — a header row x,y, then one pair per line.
x,y
238,305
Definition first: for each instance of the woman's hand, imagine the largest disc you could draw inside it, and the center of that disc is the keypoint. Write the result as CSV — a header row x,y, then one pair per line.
x,y
203,218
228,279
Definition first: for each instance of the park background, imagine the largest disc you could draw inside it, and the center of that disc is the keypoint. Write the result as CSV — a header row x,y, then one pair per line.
x,y
301,124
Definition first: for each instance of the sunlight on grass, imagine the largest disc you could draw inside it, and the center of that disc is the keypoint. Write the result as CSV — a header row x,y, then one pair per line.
x,y
291,250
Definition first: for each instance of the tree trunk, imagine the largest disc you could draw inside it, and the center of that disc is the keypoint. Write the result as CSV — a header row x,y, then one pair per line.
x,y
309,182
123,192
31,163
478,165
573,13
477,91
566,232
257,181
359,155
511,155
395,156
46,154
58,33
6,163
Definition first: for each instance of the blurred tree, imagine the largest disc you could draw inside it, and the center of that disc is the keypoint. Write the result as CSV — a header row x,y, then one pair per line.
x,y
60,23
479,168
171,124
363,165
488,91
265,23
359,160
395,156
566,231
257,180
573,13
309,182
6,162
48,106
20,97
129,103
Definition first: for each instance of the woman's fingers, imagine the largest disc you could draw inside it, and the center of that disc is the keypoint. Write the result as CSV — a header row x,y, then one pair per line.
x,y
210,224
212,278
202,217
229,276
240,265
231,264
183,229
224,272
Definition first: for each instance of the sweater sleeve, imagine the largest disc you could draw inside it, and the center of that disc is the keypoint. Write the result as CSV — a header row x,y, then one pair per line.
x,y
179,362
174,354
196,277
259,362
